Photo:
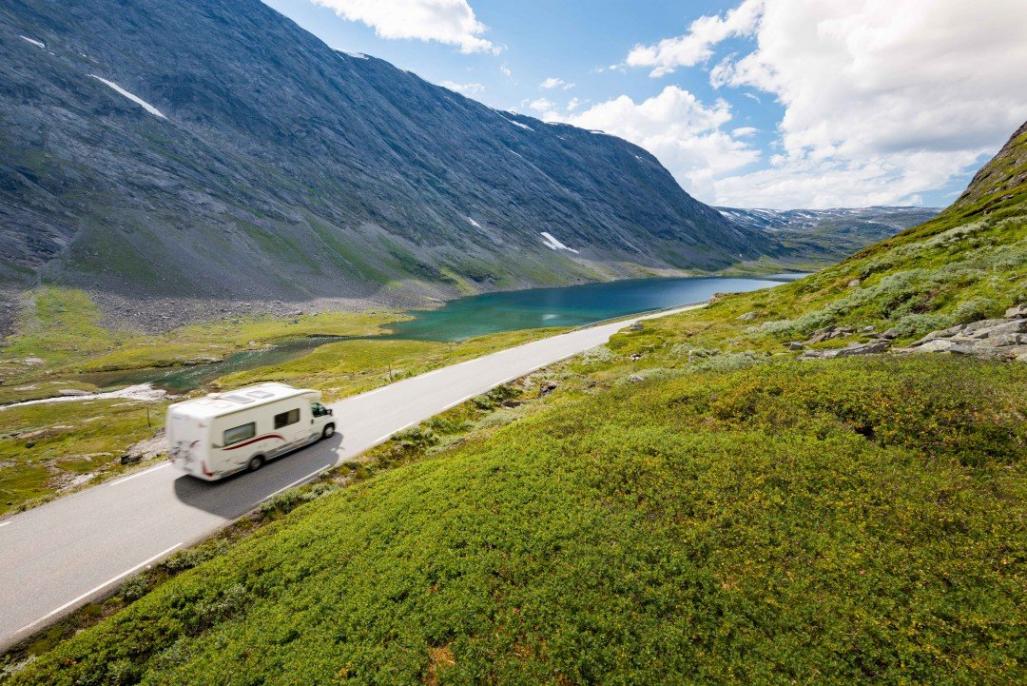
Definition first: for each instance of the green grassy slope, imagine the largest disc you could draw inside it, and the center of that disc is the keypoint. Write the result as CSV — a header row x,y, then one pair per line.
x,y
691,506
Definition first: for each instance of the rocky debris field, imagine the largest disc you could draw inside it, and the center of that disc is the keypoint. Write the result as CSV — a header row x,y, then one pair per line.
x,y
1004,338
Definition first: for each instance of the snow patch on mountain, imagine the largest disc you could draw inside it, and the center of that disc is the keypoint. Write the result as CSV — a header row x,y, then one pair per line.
x,y
134,98
554,244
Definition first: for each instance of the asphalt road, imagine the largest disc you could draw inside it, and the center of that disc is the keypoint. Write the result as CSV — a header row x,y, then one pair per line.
x,y
61,555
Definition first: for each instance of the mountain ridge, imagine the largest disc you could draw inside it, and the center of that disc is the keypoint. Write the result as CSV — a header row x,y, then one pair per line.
x,y
222,151
820,237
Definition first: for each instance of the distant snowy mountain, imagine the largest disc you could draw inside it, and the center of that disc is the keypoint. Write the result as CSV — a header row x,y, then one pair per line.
x,y
827,235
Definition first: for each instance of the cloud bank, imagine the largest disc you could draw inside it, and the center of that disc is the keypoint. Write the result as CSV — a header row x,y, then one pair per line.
x,y
883,100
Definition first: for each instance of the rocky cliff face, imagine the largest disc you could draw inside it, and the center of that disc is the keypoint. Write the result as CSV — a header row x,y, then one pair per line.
x,y
214,149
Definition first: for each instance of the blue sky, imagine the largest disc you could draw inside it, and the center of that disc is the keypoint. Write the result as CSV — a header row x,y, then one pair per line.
x,y
753,103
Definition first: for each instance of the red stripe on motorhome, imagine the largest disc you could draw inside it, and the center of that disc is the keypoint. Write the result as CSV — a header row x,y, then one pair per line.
x,y
254,440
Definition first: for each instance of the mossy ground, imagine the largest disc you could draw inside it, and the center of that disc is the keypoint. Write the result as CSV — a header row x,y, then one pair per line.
x,y
831,522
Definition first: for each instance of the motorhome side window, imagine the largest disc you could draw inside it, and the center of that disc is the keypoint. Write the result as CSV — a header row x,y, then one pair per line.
x,y
287,418
240,433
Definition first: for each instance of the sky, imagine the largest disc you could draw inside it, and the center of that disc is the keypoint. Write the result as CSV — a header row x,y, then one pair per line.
x,y
748,103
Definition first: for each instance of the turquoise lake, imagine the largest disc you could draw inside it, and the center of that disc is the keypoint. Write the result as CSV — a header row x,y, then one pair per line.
x,y
469,317
569,306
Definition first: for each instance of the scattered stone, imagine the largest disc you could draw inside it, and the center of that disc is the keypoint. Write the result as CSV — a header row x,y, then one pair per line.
x,y
855,283
75,482
33,361
636,356
943,333
796,345
829,332
636,378
1017,312
868,329
986,338
890,334
938,345
851,350
635,328
146,449
982,325
72,392
871,348
747,317
546,388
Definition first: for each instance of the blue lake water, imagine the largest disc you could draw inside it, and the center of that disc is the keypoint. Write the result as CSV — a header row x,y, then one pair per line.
x,y
469,317
569,306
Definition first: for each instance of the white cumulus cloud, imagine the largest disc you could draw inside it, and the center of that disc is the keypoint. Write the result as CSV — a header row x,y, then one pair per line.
x,y
554,82
696,45
883,99
684,134
452,22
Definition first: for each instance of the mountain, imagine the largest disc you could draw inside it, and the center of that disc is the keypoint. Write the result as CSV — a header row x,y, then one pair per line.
x,y
828,235
216,150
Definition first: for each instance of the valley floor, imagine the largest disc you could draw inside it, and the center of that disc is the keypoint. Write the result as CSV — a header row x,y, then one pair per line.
x,y
63,347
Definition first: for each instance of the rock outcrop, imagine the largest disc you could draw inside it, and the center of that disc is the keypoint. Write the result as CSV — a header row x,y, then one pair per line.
x,y
1004,338
851,350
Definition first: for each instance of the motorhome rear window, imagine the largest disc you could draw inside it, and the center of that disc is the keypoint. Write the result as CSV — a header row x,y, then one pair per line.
x,y
240,433
287,418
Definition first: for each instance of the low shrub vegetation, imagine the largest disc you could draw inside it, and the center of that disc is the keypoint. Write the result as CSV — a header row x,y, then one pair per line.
x,y
821,523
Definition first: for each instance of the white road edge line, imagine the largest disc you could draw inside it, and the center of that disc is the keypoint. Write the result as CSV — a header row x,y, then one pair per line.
x,y
132,476
298,481
102,586
4,523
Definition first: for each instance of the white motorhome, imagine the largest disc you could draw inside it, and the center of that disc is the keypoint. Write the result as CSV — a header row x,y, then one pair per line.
x,y
224,433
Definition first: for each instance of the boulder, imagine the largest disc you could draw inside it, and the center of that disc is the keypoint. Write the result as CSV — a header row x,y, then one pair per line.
x,y
999,327
1017,312
982,325
943,333
1006,339
546,388
747,317
872,348
796,345
938,345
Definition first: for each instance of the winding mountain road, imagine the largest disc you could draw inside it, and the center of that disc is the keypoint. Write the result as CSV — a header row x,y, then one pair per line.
x,y
61,555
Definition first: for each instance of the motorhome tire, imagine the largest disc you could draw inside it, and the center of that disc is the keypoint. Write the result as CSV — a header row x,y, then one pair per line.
x,y
328,431
255,463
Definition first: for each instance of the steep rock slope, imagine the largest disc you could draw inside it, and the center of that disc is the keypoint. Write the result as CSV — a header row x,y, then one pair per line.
x,y
178,148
